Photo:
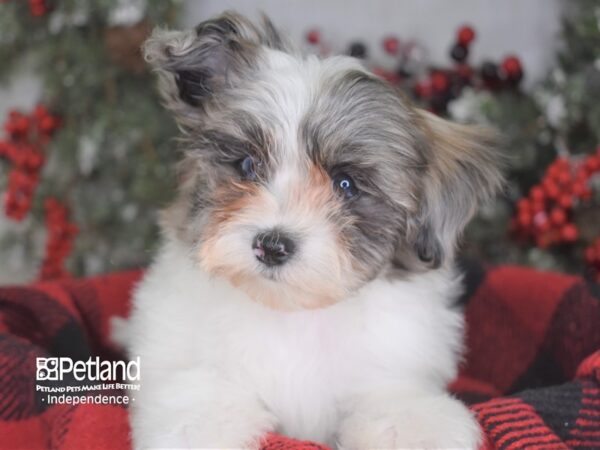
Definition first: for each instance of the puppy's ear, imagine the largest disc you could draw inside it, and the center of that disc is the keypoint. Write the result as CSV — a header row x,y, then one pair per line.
x,y
463,172
196,64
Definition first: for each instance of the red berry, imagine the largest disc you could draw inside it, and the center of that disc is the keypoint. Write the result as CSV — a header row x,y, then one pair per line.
x,y
537,194
582,173
22,125
465,36
11,151
512,65
540,220
313,37
564,178
592,163
40,111
48,124
551,189
562,162
579,188
524,205
50,203
544,227
391,45
569,232
565,201
587,194
60,238
4,146
464,71
35,160
590,255
525,219
17,124
38,10
558,216
422,89
553,171
538,206
439,82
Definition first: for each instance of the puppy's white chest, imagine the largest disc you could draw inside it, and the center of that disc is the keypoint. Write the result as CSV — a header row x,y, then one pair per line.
x,y
301,365
306,366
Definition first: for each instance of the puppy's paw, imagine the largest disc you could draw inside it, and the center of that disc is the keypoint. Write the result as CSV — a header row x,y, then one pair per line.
x,y
194,434
425,423
196,409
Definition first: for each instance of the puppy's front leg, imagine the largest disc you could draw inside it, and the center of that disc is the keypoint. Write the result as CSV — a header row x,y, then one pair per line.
x,y
388,420
196,408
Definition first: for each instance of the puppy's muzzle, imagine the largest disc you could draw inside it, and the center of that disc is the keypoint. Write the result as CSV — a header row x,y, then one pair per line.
x,y
273,247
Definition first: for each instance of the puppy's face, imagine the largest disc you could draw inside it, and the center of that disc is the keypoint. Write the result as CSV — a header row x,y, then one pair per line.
x,y
303,179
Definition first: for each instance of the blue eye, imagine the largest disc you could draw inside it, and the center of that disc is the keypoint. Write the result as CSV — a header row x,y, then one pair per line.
x,y
247,167
344,184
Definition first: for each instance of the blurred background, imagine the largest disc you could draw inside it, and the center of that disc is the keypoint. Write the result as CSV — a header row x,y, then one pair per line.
x,y
87,153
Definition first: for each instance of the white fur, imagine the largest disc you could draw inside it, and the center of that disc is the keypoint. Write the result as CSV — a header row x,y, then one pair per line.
x,y
320,271
219,370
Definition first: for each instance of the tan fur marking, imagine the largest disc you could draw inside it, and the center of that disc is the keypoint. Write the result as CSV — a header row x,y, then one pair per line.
x,y
310,197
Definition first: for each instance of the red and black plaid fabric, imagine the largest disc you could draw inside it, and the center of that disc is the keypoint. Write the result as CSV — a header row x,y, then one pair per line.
x,y
532,373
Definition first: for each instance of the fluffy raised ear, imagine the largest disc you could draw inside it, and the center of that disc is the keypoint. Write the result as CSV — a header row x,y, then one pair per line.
x,y
463,172
194,65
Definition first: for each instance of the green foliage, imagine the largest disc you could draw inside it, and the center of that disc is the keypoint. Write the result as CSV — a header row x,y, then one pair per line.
x,y
577,76
558,117
112,160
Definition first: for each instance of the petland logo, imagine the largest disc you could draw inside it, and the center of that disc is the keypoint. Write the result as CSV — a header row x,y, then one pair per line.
x,y
94,369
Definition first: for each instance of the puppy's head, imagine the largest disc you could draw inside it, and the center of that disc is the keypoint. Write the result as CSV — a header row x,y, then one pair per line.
x,y
303,179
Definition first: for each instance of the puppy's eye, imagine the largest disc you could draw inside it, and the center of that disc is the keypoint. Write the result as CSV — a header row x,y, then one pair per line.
x,y
345,185
247,167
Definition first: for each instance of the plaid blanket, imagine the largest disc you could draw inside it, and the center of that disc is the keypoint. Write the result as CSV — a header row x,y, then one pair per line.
x,y
531,376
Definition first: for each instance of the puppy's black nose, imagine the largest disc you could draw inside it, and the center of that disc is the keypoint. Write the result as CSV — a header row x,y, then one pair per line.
x,y
273,247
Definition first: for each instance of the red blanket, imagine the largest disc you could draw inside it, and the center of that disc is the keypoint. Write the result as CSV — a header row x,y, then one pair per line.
x,y
532,373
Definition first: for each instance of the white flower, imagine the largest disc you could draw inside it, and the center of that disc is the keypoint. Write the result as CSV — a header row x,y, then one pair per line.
x,y
467,107
127,12
555,110
88,149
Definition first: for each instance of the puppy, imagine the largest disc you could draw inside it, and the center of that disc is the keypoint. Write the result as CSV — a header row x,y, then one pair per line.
x,y
306,282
